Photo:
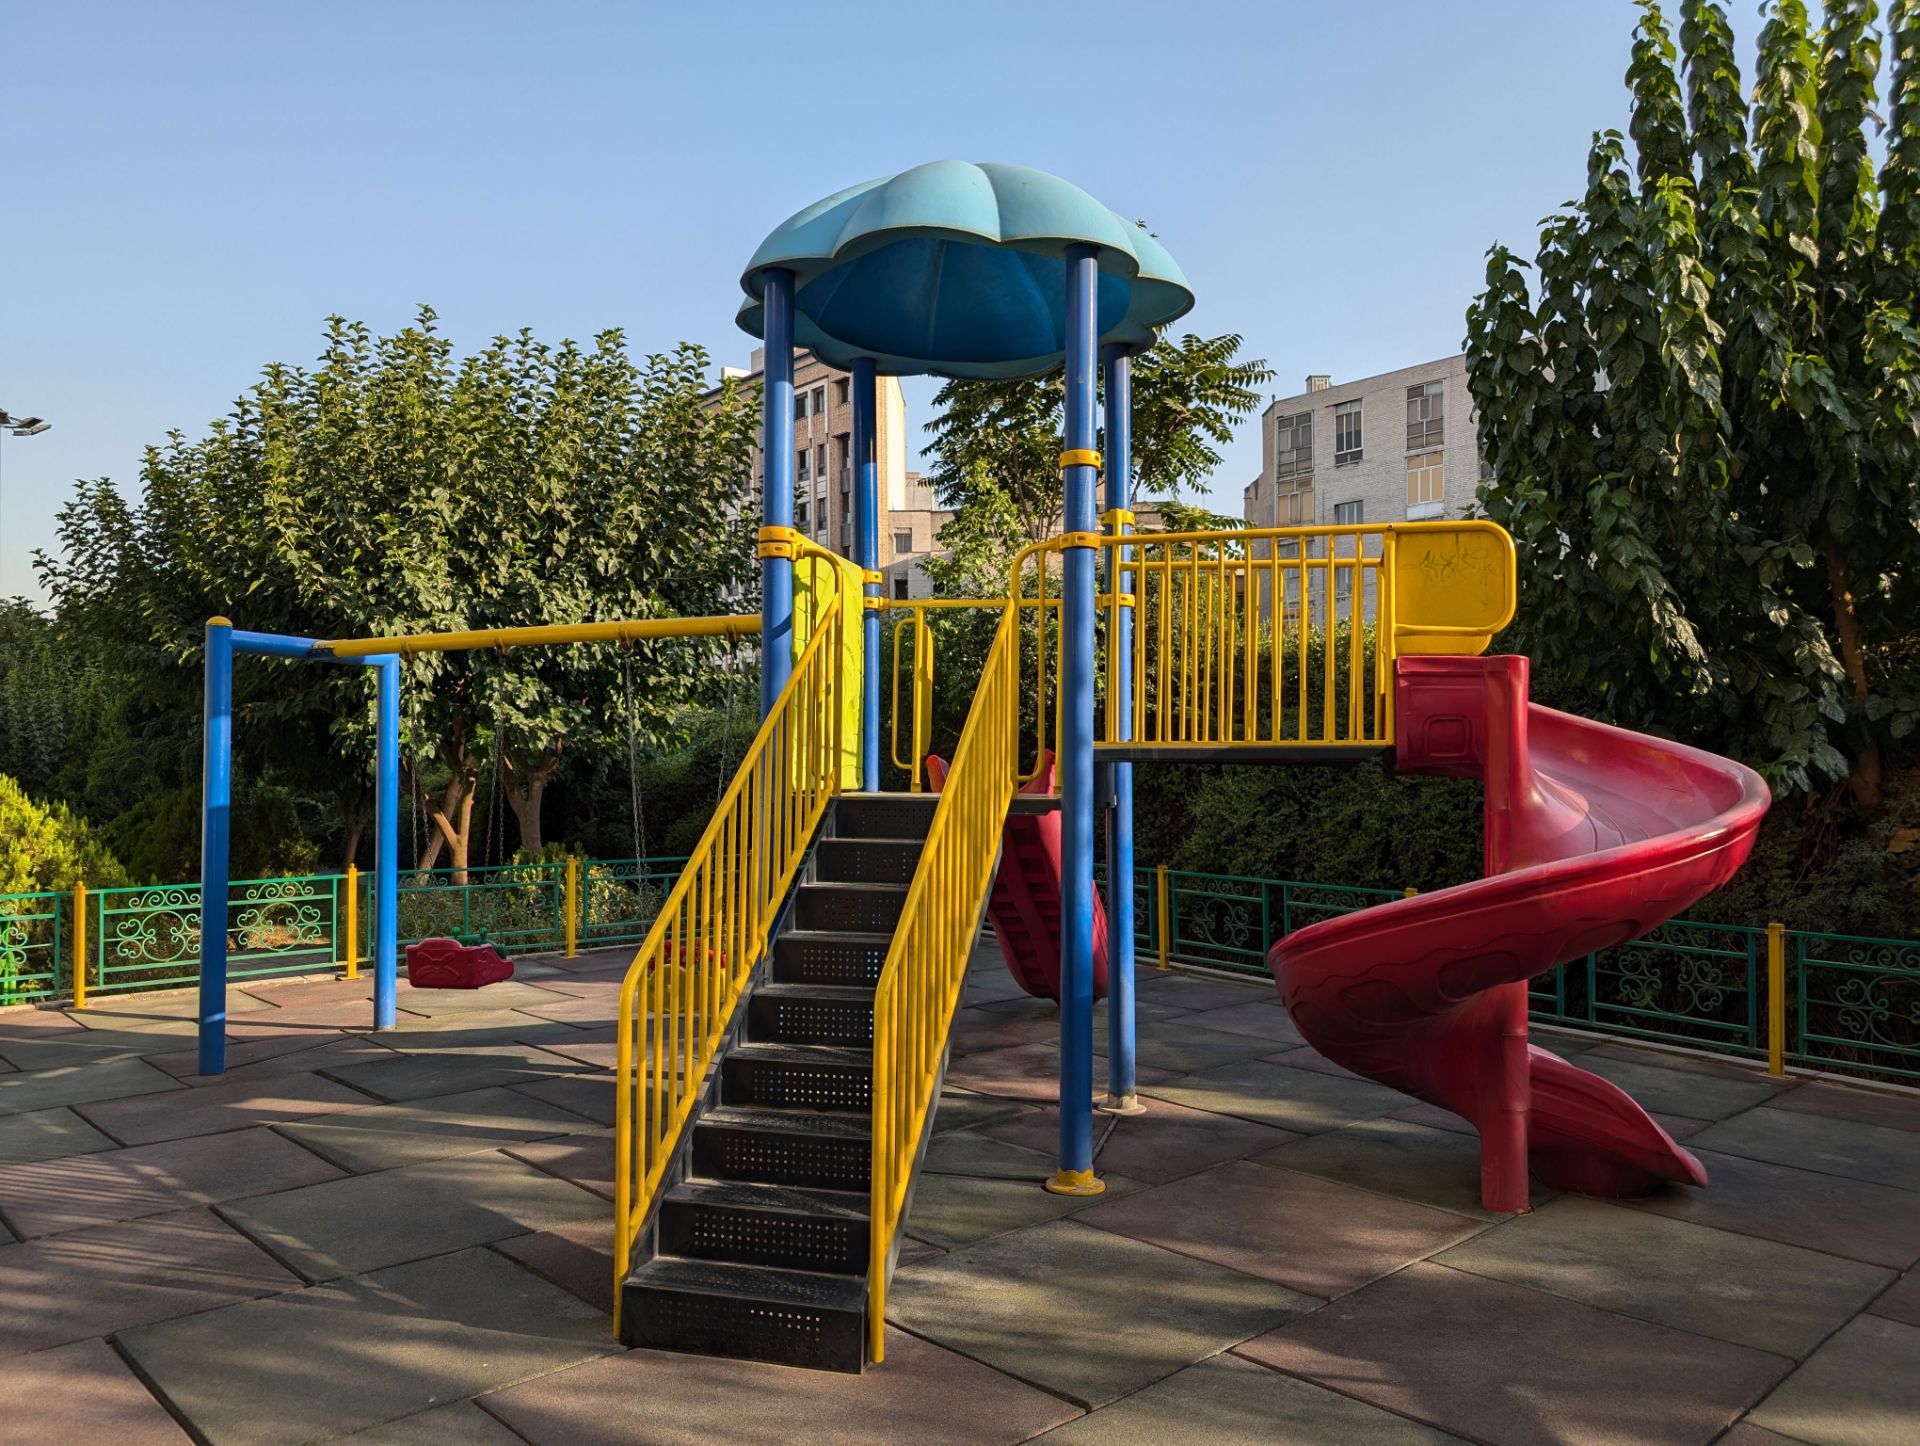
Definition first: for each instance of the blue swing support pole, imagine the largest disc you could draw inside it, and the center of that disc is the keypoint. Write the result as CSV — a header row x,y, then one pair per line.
x,y
776,501
1079,467
1121,1096
386,849
866,473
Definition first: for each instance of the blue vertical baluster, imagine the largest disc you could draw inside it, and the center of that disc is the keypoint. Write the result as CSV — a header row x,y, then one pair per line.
x,y
386,863
866,483
216,799
1075,1173
1121,1098
776,500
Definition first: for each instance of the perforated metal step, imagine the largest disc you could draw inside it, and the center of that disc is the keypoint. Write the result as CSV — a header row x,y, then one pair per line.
x,y
814,1149
884,815
860,908
811,1014
752,1312
867,860
729,1220
815,956
805,1076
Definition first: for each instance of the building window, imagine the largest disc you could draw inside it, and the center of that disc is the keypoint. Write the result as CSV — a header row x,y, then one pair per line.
x,y
800,515
1349,514
841,391
1293,446
804,455
1346,434
1426,485
900,590
1426,415
799,406
819,401
902,543
1290,509
820,458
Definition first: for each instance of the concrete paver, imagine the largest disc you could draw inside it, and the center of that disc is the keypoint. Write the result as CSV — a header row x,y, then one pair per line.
x,y
48,1135
1085,1313
1753,1292
81,1392
100,1189
78,1084
355,1353
1299,1100
385,1137
1820,1142
1163,1144
1861,1388
1497,1362
1311,1235
235,1104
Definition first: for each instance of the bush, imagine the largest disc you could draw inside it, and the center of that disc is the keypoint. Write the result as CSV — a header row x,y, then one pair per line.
x,y
46,847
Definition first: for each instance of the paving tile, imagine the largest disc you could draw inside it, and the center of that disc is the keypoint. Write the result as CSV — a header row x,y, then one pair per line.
x,y
1029,1072
48,1135
1272,1094
494,1029
585,1159
1746,1434
329,1050
591,1096
977,1030
113,1185
1311,1235
1307,1057
146,1009
969,1152
955,1210
580,986
216,1108
442,1003
1819,1142
1497,1362
1861,1387
461,1424
959,1109
25,1021
1267,1020
1163,1144
576,1257
1681,1089
565,1009
1236,1403
1902,1300
1752,1292
1851,1218
384,1137
1022,1007
922,1394
367,1222
418,1076
1179,1048
81,1393
587,1049
1858,1103
1397,1157
61,1049
79,1084
94,1282
1023,1303
1679,1126
337,1358
1187,991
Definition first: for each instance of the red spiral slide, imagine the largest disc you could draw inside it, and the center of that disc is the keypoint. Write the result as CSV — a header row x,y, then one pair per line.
x,y
1593,836
1024,904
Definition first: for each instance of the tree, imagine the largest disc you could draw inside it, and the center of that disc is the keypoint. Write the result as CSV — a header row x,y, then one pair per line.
x,y
394,489
1703,415
1187,397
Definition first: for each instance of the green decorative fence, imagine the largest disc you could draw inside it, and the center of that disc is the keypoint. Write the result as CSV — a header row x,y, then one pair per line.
x,y
1828,1001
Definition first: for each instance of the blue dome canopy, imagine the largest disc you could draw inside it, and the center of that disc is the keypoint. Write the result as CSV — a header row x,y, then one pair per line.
x,y
959,270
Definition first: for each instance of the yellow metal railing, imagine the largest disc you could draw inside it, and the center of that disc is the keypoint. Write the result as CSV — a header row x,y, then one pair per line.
x,y
920,983
712,928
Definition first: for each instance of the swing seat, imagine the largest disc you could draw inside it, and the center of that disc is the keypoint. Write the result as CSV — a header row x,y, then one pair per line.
x,y
449,964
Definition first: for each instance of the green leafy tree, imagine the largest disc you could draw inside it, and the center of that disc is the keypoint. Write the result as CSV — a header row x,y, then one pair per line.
x,y
46,847
1702,415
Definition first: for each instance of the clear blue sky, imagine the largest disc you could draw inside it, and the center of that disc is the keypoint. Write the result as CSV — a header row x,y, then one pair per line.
x,y
191,187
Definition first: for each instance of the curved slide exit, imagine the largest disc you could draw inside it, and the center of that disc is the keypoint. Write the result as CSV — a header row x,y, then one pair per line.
x,y
1024,904
1593,836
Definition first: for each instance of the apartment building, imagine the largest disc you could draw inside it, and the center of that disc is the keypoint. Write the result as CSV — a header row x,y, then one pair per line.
x,y
1397,447
823,470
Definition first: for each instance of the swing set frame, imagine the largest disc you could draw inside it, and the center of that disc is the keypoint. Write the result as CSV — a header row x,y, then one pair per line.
x,y
224,642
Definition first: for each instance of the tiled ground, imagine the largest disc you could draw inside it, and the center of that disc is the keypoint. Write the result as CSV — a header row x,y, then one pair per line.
x,y
405,1238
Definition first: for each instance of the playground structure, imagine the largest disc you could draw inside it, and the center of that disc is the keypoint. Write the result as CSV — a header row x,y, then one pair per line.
x,y
781,1033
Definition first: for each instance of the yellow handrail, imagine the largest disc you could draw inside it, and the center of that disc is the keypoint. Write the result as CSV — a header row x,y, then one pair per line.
x,y
686,978
919,984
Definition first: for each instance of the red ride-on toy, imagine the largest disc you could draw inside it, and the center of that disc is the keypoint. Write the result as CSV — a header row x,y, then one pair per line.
x,y
455,964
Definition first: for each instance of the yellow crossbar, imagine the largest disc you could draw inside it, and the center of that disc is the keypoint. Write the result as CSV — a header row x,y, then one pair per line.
x,y
610,632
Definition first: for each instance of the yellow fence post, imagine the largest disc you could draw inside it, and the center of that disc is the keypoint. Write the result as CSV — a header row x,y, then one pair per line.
x,y
1164,928
1408,893
79,945
573,905
1777,1000
353,922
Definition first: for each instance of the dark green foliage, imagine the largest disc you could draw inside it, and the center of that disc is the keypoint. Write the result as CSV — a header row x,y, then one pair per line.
x,y
1703,415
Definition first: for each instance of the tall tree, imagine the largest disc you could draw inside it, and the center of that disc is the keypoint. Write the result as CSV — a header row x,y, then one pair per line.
x,y
1702,414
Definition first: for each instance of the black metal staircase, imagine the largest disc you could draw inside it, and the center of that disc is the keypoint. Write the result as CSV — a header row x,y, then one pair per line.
x,y
760,1247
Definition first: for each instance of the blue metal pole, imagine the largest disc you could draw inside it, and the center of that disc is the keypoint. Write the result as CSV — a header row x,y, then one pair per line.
x,y
866,483
776,502
216,801
1121,1097
1079,468
386,846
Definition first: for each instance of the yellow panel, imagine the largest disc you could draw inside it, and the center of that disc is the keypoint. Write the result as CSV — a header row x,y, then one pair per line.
x,y
1453,585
